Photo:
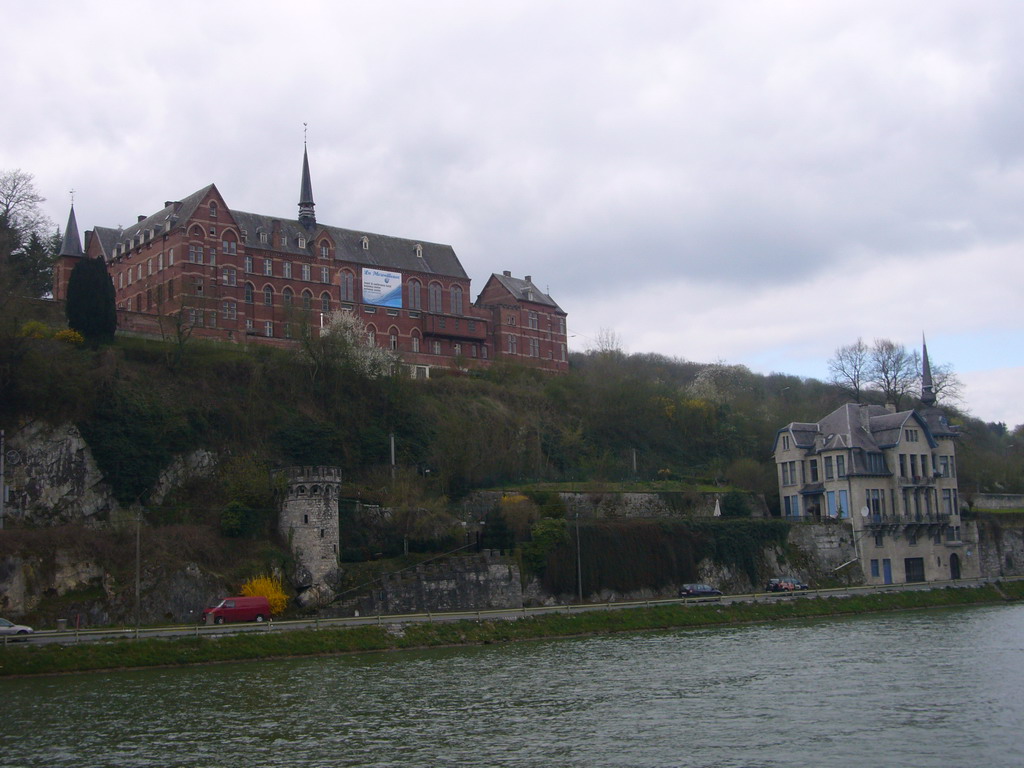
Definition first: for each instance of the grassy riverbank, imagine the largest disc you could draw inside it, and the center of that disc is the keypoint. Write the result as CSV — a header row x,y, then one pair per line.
x,y
123,654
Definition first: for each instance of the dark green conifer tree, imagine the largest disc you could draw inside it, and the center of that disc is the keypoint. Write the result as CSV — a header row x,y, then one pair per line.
x,y
90,308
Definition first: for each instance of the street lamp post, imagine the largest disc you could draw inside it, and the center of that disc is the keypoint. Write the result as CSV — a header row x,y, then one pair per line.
x,y
138,567
579,560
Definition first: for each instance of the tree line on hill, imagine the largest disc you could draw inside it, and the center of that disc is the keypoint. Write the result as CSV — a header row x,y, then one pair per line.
x,y
613,417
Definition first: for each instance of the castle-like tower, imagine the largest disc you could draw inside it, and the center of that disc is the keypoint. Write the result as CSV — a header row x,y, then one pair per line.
x,y
309,520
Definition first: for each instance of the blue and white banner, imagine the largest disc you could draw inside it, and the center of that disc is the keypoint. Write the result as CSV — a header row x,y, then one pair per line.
x,y
384,289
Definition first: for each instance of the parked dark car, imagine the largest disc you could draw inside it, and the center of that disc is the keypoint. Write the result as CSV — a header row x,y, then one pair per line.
x,y
785,584
699,590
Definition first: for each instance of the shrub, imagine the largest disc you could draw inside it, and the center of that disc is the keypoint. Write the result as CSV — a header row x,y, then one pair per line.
x,y
69,336
734,504
34,329
269,587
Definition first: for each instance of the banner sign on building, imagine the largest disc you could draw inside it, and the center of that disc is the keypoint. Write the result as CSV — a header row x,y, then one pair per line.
x,y
384,289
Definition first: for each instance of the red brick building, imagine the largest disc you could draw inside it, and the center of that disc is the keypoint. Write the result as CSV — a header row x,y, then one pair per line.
x,y
253,278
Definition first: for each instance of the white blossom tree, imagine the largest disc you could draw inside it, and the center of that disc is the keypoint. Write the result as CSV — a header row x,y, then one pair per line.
x,y
345,343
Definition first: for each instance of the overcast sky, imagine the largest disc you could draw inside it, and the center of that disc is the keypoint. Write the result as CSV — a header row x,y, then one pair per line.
x,y
752,182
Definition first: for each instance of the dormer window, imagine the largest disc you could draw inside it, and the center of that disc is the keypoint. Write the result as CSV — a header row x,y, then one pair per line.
x,y
302,242
263,237
419,251
366,243
284,241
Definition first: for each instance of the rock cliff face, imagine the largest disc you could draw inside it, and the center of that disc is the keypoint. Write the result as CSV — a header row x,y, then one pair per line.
x,y
54,479
466,583
1001,545
69,586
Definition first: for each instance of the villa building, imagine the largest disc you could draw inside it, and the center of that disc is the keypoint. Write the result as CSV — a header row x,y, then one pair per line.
x,y
891,476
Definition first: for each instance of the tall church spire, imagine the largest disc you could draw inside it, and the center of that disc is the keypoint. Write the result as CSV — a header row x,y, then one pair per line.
x,y
306,215
927,392
71,245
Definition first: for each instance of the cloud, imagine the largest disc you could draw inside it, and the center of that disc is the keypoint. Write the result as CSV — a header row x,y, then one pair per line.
x,y
761,181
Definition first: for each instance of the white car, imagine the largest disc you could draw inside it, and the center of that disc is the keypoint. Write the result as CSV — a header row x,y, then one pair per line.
x,y
18,631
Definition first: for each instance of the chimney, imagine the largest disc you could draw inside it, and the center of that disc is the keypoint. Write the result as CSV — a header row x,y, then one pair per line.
x,y
168,203
506,273
141,217
528,279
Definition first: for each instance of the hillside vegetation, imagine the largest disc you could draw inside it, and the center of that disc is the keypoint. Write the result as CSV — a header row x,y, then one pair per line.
x,y
612,418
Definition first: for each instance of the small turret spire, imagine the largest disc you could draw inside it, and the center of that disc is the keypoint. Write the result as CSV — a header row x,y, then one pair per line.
x,y
927,391
71,245
307,217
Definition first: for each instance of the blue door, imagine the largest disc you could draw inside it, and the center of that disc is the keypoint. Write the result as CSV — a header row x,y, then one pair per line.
x,y
887,570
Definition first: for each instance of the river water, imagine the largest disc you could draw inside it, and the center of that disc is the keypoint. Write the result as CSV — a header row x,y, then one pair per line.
x,y
932,688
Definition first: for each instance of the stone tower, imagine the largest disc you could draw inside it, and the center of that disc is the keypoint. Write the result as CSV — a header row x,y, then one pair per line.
x,y
309,521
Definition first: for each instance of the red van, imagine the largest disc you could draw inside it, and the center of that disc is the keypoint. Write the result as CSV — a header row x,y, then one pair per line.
x,y
238,609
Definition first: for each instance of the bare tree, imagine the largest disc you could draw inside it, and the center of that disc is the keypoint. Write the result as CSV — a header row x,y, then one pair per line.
x,y
893,370
607,343
946,385
19,204
849,368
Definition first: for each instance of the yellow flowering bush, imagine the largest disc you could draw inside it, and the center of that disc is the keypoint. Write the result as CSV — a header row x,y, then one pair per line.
x,y
34,329
269,587
69,336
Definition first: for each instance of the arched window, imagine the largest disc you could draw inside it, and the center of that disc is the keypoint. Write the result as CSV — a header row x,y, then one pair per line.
x,y
347,281
250,292
434,298
366,243
456,300
229,243
325,249
325,302
393,339
307,299
415,341
415,302
371,335
287,296
213,210
268,296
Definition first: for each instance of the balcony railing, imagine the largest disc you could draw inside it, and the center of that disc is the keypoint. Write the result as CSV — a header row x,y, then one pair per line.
x,y
454,327
914,518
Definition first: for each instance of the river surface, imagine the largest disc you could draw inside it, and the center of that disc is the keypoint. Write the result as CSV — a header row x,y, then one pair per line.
x,y
930,688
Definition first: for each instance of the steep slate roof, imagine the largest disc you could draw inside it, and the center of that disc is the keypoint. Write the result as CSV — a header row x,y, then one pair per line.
x,y
521,289
385,251
71,245
864,428
162,221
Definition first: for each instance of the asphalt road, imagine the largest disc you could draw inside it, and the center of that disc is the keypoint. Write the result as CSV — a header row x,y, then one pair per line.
x,y
72,636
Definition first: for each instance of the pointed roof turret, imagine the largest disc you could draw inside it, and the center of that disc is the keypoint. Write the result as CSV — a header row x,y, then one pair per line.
x,y
71,245
306,215
927,391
